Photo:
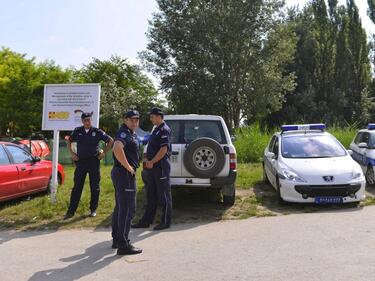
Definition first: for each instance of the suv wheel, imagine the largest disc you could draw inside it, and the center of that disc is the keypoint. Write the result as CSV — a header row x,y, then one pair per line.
x,y
204,158
229,197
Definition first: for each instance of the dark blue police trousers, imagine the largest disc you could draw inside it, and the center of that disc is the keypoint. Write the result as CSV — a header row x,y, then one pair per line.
x,y
125,192
158,193
89,166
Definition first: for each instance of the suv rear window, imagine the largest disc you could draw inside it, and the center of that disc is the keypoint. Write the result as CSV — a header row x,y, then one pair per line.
x,y
186,131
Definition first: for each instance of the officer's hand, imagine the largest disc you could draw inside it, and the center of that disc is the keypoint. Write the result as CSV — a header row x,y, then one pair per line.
x,y
149,165
75,157
130,169
101,155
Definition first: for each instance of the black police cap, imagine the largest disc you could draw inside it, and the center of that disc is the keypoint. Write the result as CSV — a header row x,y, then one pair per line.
x,y
131,114
156,111
86,115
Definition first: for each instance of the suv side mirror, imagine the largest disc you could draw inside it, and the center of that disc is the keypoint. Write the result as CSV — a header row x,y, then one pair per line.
x,y
270,155
233,138
362,145
350,152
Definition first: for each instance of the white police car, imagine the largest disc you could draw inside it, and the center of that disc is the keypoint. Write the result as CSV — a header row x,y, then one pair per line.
x,y
363,146
305,164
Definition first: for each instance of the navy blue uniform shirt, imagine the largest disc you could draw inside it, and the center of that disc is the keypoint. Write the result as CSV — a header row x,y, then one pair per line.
x,y
131,146
160,137
88,143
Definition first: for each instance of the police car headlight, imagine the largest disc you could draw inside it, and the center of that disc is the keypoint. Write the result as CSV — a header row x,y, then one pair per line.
x,y
292,176
357,175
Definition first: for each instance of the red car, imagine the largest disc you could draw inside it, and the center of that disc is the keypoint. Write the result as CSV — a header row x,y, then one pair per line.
x,y
22,174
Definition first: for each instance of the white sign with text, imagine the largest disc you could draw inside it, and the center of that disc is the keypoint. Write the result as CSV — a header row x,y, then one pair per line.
x,y
64,103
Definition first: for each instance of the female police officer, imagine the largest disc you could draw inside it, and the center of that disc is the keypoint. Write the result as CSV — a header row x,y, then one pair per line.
x,y
126,161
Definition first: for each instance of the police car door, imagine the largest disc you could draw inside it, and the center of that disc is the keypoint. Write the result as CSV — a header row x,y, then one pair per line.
x,y
360,153
176,143
270,161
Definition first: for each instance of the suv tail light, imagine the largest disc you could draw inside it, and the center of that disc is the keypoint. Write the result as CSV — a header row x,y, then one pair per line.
x,y
144,160
232,161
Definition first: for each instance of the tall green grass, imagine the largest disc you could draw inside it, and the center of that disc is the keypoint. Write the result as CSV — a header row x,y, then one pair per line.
x,y
252,140
250,143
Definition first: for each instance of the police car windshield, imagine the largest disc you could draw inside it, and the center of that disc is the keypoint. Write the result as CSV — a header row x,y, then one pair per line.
x,y
311,146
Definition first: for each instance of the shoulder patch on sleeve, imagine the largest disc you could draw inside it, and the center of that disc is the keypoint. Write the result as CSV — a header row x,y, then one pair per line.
x,y
123,135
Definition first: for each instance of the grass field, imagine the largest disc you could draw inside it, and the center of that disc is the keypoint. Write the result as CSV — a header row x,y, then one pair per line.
x,y
189,205
37,212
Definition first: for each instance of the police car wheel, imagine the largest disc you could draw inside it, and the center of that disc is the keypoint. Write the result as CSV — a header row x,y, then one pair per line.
x,y
265,178
204,158
370,177
279,198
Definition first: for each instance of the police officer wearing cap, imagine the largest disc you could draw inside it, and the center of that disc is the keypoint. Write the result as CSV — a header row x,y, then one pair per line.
x,y
87,160
126,157
158,173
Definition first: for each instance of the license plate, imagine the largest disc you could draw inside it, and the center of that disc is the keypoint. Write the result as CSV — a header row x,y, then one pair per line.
x,y
328,200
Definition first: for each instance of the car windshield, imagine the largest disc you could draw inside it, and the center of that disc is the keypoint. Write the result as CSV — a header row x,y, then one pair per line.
x,y
306,146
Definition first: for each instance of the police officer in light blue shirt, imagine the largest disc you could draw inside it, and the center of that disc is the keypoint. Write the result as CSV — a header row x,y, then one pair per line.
x,y
126,157
158,173
87,159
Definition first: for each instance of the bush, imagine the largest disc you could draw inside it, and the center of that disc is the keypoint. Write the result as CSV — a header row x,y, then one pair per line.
x,y
250,143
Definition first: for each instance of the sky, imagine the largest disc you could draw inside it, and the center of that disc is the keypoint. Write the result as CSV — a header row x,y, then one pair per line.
x,y
72,32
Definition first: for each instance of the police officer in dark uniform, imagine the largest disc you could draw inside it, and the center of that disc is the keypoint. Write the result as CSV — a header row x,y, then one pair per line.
x,y
87,160
158,173
126,157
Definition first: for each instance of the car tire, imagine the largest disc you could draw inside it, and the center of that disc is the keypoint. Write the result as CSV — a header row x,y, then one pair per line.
x,y
204,158
279,198
265,177
370,177
229,199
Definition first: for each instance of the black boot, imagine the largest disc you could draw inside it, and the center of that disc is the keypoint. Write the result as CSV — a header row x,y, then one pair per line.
x,y
162,226
68,216
140,225
129,250
114,244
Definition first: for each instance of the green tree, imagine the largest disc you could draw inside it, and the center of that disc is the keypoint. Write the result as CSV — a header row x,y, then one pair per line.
x,y
331,65
21,91
123,86
221,57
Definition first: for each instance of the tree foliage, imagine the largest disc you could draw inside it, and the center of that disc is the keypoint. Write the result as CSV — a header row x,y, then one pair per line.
x,y
21,91
221,57
123,86
331,64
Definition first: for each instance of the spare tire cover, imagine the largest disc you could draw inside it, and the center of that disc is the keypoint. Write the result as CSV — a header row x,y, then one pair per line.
x,y
204,158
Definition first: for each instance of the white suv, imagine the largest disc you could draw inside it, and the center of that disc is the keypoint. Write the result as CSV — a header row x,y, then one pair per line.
x,y
202,154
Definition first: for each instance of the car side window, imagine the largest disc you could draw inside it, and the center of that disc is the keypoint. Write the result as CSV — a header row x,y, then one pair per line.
x,y
357,139
175,126
19,155
365,138
275,148
4,160
270,146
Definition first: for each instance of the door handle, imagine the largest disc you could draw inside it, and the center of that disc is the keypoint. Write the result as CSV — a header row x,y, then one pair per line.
x,y
175,152
23,168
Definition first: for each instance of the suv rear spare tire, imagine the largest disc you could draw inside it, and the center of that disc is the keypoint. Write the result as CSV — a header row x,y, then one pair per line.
x,y
204,158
